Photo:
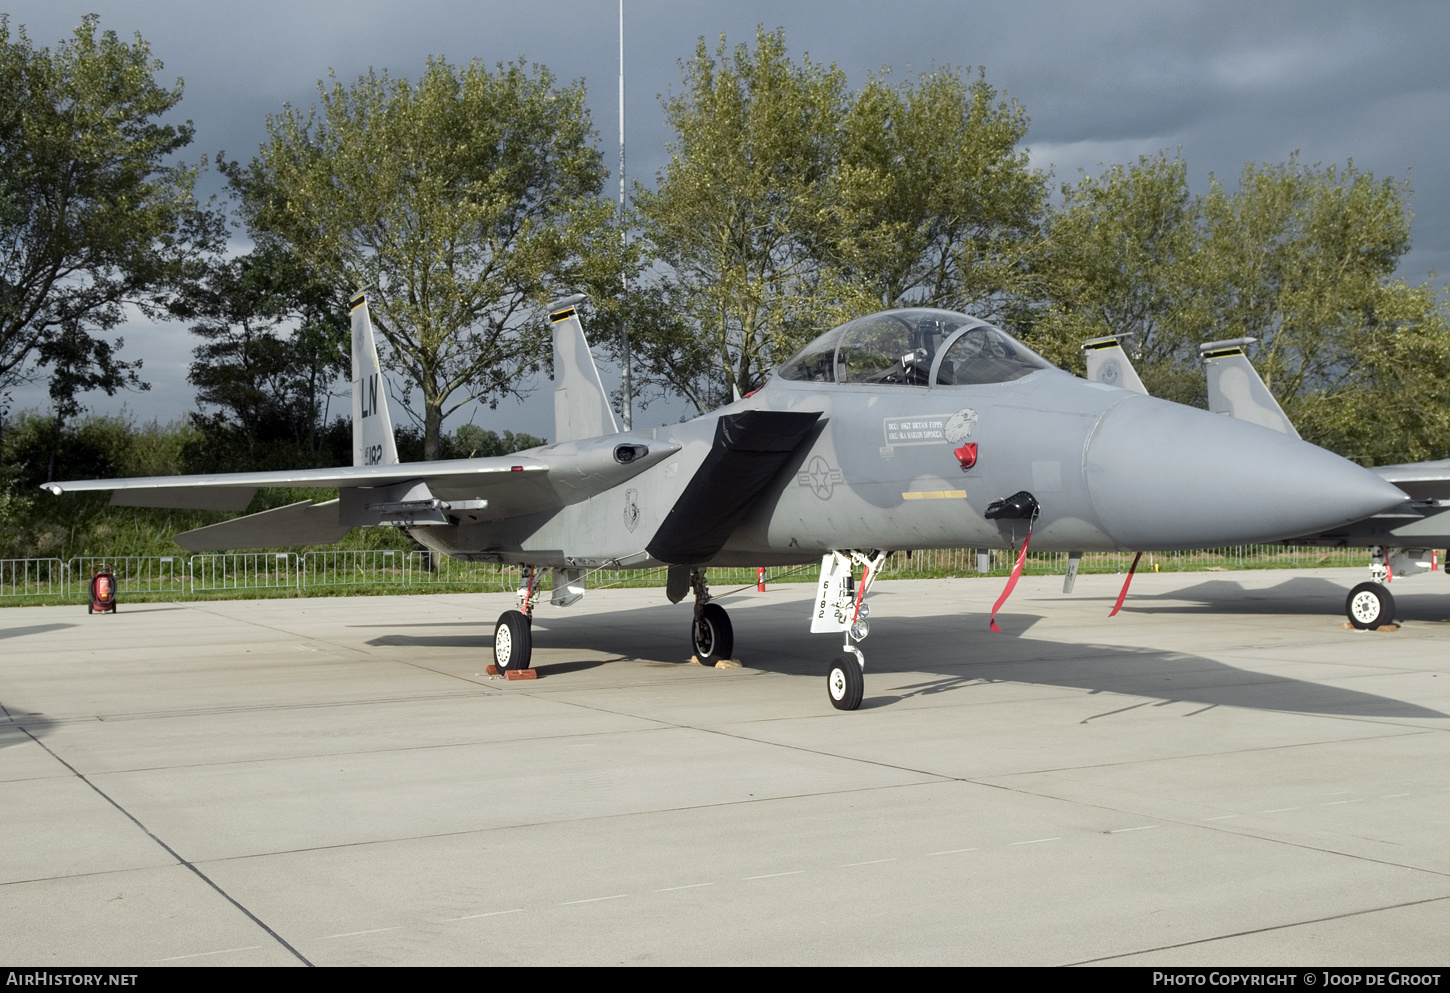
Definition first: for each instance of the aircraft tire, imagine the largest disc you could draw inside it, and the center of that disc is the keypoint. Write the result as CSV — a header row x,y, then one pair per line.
x,y
712,635
846,684
513,642
1369,605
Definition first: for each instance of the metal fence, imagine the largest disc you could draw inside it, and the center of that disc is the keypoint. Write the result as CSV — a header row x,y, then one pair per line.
x,y
243,571
134,573
184,575
33,577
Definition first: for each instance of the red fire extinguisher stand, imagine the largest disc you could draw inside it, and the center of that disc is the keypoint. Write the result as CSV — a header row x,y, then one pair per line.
x,y
103,590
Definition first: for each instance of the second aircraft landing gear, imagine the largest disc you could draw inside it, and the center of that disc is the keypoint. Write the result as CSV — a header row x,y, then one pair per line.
x,y
1369,605
711,635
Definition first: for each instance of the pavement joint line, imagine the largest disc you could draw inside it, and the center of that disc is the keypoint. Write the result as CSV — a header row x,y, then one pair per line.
x,y
474,917
1217,753
354,934
775,875
242,709
935,776
1108,713
594,899
363,843
197,955
251,622
1262,930
1340,854
170,851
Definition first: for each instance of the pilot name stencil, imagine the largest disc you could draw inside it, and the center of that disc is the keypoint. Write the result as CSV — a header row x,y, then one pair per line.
x,y
928,430
933,429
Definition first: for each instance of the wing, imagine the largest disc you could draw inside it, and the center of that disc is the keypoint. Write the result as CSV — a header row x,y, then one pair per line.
x,y
412,494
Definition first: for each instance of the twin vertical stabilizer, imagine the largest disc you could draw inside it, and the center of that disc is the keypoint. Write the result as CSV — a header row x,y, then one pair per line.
x,y
372,428
581,406
1108,364
1235,387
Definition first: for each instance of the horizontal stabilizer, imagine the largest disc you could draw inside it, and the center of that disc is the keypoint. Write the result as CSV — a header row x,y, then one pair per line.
x,y
1421,480
302,523
750,449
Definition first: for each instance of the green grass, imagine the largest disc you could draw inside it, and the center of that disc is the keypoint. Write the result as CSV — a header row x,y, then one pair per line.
x,y
399,571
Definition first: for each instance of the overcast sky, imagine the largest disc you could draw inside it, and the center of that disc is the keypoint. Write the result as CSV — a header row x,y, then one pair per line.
x,y
1225,82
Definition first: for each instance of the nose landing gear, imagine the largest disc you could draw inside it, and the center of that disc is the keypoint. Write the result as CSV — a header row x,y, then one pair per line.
x,y
840,606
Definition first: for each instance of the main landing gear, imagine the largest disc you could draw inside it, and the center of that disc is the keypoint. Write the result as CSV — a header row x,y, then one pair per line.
x,y
840,606
711,634
513,635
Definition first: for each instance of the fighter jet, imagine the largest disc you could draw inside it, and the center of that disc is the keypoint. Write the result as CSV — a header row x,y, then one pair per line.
x,y
908,429
1403,540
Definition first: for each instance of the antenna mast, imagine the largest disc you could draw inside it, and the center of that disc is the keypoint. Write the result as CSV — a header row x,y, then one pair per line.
x,y
626,403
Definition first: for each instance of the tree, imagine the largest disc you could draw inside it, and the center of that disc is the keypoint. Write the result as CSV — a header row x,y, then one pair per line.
x,y
749,188
939,206
1303,258
1300,258
790,204
1118,259
93,217
274,341
467,199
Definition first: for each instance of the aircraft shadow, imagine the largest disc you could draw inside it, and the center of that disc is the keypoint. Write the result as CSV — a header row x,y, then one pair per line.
x,y
13,730
33,629
956,650
1416,600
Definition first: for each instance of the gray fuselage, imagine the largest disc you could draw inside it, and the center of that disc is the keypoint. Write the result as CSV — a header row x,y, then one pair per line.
x,y
896,467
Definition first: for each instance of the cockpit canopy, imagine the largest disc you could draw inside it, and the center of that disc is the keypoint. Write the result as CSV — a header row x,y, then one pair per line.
x,y
916,347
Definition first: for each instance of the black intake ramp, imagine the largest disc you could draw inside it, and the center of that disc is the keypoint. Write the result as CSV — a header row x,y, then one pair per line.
x,y
749,449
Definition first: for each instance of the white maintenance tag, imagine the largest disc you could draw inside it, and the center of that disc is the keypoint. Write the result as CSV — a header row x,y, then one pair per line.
x,y
833,605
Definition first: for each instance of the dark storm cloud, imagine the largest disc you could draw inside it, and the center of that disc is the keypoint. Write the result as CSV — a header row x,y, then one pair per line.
x,y
1227,83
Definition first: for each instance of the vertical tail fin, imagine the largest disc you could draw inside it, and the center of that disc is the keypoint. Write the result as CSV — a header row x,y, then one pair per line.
x,y
372,428
1108,364
581,406
1235,387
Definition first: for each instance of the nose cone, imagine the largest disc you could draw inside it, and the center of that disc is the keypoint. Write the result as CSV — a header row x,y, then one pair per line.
x,y
1165,476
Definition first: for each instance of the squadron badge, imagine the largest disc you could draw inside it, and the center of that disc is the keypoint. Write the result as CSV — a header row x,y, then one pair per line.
x,y
958,430
631,509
